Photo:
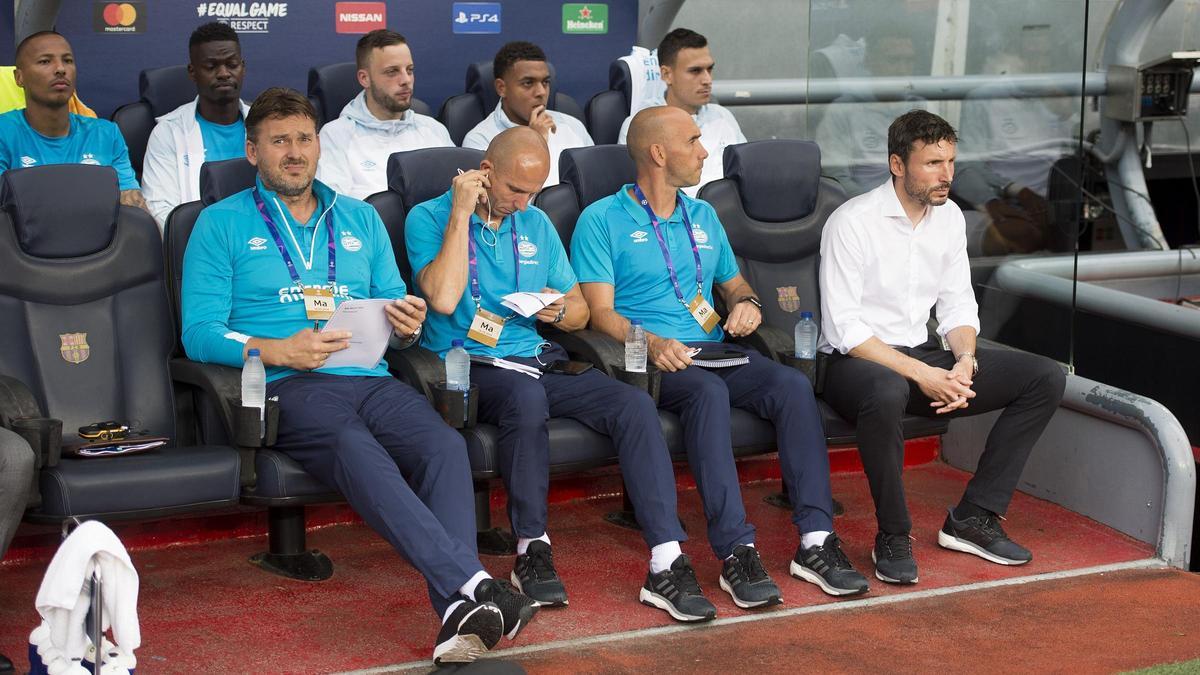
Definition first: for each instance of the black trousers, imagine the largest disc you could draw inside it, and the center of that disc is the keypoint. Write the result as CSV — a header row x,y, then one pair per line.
x,y
875,398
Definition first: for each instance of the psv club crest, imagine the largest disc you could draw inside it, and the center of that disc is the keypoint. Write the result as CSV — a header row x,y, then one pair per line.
x,y
74,347
789,299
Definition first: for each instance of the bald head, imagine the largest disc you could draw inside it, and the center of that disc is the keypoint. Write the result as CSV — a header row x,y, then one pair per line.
x,y
654,126
664,143
517,164
518,146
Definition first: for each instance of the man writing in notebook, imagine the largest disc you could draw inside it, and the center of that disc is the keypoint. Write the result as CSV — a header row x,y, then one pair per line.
x,y
651,252
470,247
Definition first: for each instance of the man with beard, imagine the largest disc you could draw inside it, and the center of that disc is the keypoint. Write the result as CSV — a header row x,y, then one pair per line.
x,y
378,122
209,129
46,131
887,257
252,284
523,83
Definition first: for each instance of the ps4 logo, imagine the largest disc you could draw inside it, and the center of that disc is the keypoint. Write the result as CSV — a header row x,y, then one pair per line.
x,y
476,17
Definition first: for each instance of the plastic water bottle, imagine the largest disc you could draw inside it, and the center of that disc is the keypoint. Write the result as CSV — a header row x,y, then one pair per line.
x,y
254,388
635,347
806,336
458,372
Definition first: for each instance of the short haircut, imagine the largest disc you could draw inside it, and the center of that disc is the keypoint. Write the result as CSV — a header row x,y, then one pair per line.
x,y
376,39
917,125
680,38
277,103
513,52
213,31
24,44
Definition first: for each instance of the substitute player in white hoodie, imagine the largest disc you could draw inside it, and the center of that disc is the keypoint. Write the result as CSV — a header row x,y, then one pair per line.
x,y
378,122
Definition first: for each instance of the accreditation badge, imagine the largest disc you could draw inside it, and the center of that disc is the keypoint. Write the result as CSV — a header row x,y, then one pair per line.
x,y
486,327
703,313
318,304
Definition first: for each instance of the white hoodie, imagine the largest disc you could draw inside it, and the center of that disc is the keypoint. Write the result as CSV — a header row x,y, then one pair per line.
x,y
171,170
570,134
355,147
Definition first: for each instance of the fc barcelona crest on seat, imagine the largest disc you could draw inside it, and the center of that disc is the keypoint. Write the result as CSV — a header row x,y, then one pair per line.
x,y
789,299
74,347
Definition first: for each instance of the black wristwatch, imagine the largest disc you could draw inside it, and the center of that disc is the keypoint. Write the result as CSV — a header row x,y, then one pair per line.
x,y
750,299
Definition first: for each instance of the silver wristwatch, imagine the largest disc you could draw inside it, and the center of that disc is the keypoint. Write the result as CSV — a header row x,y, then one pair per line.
x,y
974,362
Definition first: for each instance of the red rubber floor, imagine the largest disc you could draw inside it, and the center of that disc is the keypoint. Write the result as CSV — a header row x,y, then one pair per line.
x,y
203,608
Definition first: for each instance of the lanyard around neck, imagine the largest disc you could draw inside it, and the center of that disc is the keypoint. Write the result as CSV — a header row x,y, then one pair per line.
x,y
473,264
287,257
662,243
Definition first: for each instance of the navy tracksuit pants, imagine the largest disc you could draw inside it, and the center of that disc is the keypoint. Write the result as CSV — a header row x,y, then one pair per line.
x,y
702,398
379,442
520,406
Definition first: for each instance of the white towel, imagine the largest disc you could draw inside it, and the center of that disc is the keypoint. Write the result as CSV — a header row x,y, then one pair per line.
x,y
647,86
63,600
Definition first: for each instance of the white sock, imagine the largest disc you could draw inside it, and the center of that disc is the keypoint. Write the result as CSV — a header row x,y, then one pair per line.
x,y
663,555
523,544
450,610
468,589
811,539
750,544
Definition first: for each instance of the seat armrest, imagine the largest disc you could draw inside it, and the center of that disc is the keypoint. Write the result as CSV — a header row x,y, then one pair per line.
x,y
597,348
417,366
16,401
221,384
768,341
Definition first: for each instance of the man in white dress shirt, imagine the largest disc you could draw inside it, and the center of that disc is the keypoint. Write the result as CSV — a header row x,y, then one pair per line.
x,y
887,257
686,67
523,83
379,121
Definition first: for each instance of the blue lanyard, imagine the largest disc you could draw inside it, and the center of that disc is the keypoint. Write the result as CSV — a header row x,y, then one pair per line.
x,y
473,263
287,257
662,243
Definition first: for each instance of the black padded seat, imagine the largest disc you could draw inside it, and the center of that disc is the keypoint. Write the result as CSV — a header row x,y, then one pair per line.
x,y
773,203
592,172
90,268
281,478
160,90
606,111
139,486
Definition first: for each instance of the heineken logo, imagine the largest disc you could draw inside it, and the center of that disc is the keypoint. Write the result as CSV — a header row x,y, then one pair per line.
x,y
585,19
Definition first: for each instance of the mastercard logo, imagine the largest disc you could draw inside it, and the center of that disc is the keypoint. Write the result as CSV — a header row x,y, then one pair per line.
x,y
119,14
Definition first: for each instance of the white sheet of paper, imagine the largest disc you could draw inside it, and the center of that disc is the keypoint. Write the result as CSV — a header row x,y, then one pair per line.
x,y
527,304
367,322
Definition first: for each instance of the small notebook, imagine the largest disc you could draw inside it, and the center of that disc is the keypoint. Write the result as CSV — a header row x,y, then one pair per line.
x,y
719,358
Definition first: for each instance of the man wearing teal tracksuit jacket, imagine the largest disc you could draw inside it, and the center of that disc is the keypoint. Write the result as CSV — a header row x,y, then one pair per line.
x,y
255,265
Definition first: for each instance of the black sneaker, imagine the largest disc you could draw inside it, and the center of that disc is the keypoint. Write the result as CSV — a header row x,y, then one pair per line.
x,y
517,609
982,536
828,567
471,629
893,558
677,592
534,575
745,580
